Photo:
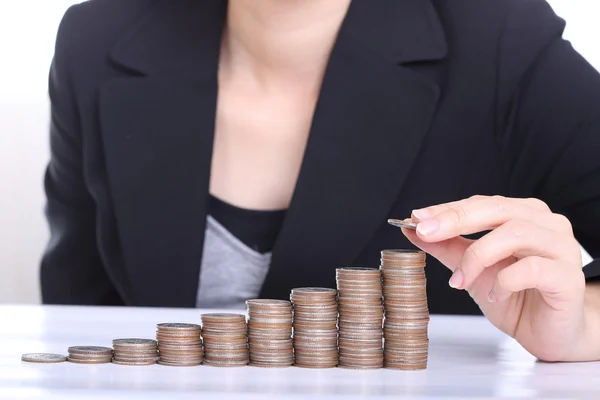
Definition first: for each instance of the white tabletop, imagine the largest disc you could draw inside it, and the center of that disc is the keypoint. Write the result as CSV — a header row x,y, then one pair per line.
x,y
468,359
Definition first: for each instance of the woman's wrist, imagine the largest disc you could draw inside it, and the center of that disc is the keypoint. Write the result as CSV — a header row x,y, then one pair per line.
x,y
589,347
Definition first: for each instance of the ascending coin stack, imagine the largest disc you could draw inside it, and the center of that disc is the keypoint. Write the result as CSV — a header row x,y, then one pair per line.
x,y
315,327
225,339
135,351
406,310
179,344
360,318
270,333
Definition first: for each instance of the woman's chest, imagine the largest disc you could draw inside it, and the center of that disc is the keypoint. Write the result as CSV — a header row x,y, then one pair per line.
x,y
259,143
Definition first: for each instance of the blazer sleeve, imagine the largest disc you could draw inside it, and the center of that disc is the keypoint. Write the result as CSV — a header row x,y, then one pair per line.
x,y
549,108
71,268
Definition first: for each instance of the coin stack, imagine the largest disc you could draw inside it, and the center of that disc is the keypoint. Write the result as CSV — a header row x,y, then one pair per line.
x,y
179,344
90,354
315,327
406,311
225,339
361,317
270,333
135,351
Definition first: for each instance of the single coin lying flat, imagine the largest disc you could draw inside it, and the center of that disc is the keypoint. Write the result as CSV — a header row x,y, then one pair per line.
x,y
43,358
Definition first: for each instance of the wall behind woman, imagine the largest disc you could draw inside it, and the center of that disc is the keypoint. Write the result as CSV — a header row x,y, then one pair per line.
x,y
27,34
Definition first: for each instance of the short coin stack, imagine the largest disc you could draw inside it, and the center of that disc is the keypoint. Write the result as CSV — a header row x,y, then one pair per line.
x,y
406,310
225,339
315,327
135,351
270,333
179,344
90,354
361,317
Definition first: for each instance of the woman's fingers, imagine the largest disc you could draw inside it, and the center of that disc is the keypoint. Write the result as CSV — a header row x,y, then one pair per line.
x,y
555,282
518,239
479,214
448,252
525,245
429,212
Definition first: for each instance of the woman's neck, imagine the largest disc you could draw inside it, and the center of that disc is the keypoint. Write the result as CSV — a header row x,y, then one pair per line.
x,y
281,40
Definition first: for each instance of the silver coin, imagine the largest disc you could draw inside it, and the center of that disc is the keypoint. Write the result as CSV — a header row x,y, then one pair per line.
x,y
309,310
132,350
91,350
134,342
232,346
179,364
280,321
272,360
402,252
308,337
357,271
146,362
270,331
179,326
90,356
213,363
274,365
170,343
313,290
343,366
224,316
268,302
43,358
315,347
326,314
105,360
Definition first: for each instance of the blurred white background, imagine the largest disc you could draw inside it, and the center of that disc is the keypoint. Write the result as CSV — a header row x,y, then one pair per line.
x,y
27,34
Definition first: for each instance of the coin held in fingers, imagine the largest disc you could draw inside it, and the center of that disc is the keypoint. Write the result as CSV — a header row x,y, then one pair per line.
x,y
402,223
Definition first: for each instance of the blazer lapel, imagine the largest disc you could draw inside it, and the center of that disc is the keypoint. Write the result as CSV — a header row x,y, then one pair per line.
x,y
157,125
371,117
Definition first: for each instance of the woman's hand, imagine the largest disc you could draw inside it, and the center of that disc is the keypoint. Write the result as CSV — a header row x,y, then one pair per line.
x,y
525,274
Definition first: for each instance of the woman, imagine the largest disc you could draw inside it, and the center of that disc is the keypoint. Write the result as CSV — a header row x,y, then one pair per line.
x,y
206,152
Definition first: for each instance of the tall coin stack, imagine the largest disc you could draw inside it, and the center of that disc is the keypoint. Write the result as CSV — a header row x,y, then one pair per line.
x,y
179,344
406,311
361,317
225,339
315,327
270,333
135,351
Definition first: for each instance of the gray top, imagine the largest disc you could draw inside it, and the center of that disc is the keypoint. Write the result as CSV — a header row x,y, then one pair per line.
x,y
231,272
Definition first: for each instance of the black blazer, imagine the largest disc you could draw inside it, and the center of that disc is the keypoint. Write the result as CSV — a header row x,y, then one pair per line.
x,y
423,102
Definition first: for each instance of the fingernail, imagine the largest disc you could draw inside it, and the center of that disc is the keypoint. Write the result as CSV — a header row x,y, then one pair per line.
x,y
456,280
428,227
492,297
420,214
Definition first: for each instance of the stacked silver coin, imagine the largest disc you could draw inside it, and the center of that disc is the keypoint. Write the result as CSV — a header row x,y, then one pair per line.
x,y
270,333
315,327
179,344
406,310
135,351
90,354
360,318
225,339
